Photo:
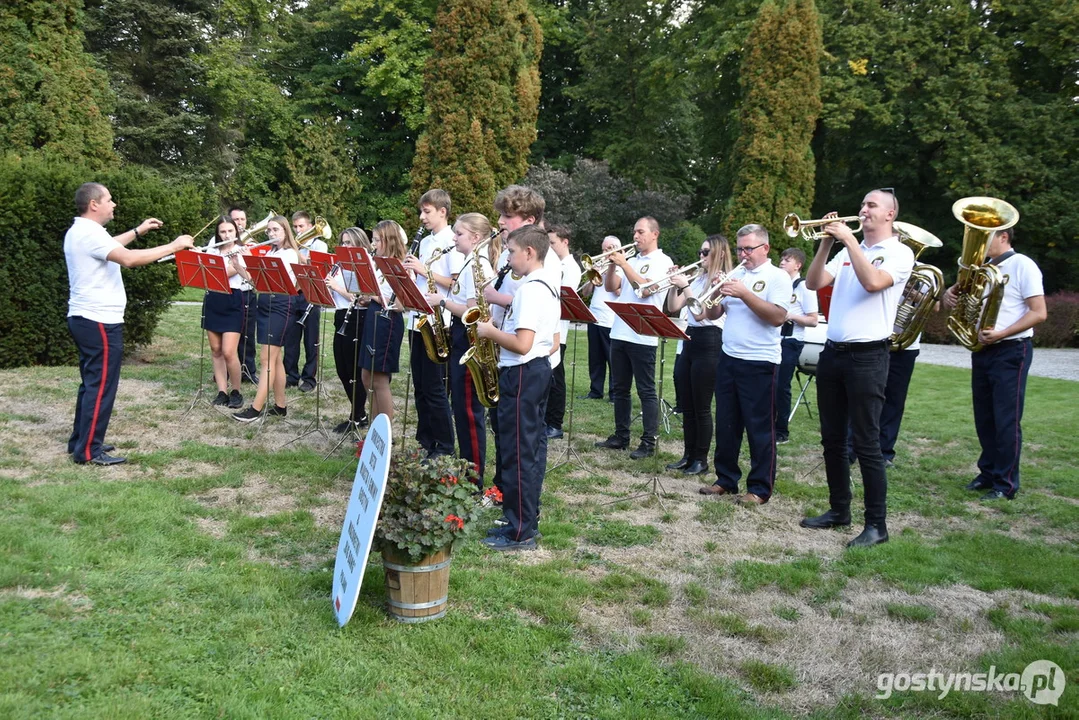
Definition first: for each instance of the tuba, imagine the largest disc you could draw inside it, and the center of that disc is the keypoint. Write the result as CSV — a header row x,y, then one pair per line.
x,y
320,229
432,327
922,291
980,287
257,229
481,358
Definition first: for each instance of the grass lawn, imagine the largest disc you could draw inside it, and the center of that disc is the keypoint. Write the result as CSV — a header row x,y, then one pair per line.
x,y
194,581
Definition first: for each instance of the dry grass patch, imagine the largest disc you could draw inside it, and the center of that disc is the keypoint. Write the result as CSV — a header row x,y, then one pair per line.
x,y
76,601
257,497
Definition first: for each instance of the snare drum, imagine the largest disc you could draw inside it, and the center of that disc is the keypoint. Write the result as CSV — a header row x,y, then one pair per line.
x,y
814,343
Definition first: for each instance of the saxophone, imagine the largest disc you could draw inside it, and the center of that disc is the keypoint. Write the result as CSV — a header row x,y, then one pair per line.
x,y
432,328
980,286
481,358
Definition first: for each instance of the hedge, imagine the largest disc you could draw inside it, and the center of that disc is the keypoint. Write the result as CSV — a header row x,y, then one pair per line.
x,y
1060,329
38,200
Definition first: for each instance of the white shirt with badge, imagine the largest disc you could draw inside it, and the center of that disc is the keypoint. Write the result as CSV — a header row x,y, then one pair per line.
x,y
745,335
652,266
699,287
857,315
317,244
447,266
803,302
535,307
571,278
1024,281
96,285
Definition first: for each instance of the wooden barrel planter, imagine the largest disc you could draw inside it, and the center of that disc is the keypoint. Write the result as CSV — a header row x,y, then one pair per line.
x,y
417,592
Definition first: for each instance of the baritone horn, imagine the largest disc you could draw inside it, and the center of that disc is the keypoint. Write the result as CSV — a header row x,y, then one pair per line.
x,y
980,287
257,229
320,229
808,229
922,291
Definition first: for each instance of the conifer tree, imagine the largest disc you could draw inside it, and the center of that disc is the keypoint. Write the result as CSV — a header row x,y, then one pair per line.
x,y
482,90
780,78
52,98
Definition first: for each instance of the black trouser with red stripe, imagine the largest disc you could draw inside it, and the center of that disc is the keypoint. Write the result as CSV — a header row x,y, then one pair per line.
x,y
523,443
434,429
101,347
469,416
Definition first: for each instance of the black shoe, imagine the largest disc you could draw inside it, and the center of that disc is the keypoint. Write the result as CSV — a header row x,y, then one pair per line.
x,y
645,449
221,399
307,386
590,396
977,484
103,459
236,400
248,415
676,410
697,467
681,464
872,535
996,495
502,530
782,439
502,543
104,449
342,428
292,383
278,411
362,422
613,443
832,518
554,433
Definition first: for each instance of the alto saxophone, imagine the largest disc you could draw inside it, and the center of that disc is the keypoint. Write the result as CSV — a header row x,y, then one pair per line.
x,y
481,358
436,340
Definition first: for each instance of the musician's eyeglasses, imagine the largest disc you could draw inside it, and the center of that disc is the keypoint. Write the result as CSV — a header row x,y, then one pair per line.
x,y
747,250
703,252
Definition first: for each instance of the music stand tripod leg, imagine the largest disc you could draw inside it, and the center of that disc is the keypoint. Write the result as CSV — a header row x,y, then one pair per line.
x,y
202,358
570,453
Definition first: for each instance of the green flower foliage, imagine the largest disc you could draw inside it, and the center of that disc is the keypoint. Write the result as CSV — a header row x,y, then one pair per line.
x,y
781,78
428,504
52,98
38,197
482,90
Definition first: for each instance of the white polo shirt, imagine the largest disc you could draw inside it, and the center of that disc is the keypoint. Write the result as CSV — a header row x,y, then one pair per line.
x,y
535,307
571,277
652,266
697,288
598,306
745,335
96,285
1024,281
447,265
467,279
857,315
803,302
551,273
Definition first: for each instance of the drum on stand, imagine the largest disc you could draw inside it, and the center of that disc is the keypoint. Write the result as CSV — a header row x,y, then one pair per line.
x,y
814,343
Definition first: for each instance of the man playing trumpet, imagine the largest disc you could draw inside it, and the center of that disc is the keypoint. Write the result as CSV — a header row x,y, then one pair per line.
x,y
755,301
853,369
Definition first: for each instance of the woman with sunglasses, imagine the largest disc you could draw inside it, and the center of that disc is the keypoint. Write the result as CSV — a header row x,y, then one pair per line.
x,y
275,311
700,356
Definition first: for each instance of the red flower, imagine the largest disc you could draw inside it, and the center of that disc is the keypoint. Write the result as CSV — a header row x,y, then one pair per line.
x,y
449,480
359,447
454,520
494,493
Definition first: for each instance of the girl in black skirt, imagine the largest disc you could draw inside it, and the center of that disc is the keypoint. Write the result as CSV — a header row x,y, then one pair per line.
x,y
222,318
700,355
275,313
383,332
348,336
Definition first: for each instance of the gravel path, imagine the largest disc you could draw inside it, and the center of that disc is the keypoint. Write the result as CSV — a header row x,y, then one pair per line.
x,y
1060,363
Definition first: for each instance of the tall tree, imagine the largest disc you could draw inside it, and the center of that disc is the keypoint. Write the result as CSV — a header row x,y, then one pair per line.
x,y
482,90
52,97
780,77
638,90
565,122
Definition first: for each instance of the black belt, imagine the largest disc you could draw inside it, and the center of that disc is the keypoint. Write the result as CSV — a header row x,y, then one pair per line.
x,y
856,346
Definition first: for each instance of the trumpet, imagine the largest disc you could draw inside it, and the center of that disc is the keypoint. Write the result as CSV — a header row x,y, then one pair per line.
x,y
589,262
709,298
795,226
664,283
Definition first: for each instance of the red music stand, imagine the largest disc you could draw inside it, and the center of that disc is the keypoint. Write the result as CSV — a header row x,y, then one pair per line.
x,y
206,271
574,310
310,280
312,283
268,275
404,287
259,250
323,261
357,261
203,270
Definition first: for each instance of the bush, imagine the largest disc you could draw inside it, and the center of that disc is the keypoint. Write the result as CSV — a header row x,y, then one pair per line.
x,y
1060,329
38,198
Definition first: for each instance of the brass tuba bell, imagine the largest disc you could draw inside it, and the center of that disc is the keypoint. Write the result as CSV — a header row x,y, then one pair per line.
x,y
980,287
922,291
